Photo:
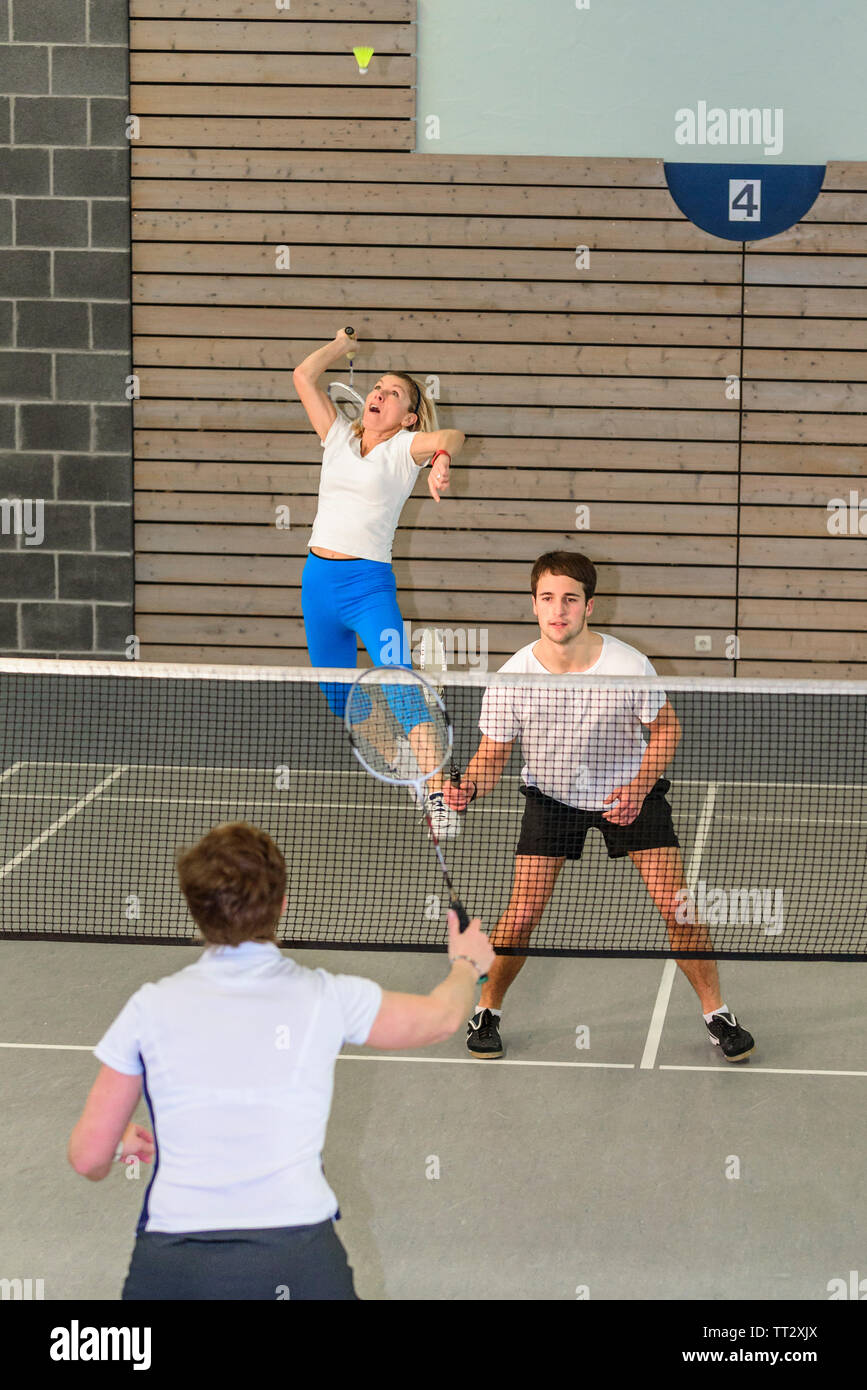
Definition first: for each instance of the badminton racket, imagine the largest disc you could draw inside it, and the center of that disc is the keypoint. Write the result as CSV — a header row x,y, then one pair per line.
x,y
382,703
345,397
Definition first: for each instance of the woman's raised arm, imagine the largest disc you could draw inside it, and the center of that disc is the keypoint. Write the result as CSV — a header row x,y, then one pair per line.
x,y
321,410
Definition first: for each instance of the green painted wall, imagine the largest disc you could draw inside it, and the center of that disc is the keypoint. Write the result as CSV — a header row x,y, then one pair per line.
x,y
518,77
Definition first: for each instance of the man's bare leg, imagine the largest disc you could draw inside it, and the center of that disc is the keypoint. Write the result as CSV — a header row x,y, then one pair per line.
x,y
535,877
664,878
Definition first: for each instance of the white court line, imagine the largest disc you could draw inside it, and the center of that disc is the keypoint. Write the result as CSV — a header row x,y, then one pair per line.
x,y
813,786
359,804
10,771
61,821
475,1061
354,772
363,1057
286,803
501,1062
773,1071
657,1021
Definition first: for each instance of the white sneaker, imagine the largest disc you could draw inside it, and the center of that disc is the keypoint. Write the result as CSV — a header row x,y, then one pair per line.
x,y
405,763
445,821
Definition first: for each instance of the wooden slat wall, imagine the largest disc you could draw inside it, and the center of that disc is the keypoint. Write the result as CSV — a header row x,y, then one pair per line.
x,y
803,591
603,386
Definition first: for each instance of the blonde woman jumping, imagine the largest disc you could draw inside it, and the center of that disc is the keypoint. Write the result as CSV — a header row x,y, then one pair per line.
x,y
348,587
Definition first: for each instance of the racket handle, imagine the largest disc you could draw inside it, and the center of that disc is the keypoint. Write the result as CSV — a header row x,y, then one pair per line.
x,y
463,921
350,333
463,918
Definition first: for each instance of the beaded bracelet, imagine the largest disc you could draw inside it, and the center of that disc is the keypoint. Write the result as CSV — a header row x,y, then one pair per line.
x,y
480,978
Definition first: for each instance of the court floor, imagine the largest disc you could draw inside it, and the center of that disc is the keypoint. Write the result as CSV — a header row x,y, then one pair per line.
x,y
90,847
637,1165
641,1166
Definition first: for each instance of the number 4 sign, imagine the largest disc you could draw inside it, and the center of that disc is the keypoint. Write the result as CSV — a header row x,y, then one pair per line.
x,y
745,200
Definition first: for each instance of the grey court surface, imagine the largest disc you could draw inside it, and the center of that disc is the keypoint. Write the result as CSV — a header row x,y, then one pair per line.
x,y
599,1172
642,1166
102,777
90,847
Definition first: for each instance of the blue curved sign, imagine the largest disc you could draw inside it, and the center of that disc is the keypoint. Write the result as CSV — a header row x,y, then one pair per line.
x,y
744,202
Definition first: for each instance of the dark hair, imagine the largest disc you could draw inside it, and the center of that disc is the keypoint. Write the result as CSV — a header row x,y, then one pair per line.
x,y
568,562
234,881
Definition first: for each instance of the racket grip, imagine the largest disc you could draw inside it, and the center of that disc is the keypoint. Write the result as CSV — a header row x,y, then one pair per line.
x,y
350,333
463,921
463,918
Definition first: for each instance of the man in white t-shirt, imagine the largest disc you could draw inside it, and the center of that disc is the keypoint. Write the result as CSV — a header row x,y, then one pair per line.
x,y
587,765
235,1056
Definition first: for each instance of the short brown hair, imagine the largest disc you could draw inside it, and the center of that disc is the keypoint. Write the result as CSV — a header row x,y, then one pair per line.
x,y
569,562
234,881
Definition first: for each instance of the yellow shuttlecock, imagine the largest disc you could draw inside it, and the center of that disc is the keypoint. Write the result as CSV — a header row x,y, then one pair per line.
x,y
362,58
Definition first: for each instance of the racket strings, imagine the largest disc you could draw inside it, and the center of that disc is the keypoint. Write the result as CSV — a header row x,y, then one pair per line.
x,y
378,700
397,732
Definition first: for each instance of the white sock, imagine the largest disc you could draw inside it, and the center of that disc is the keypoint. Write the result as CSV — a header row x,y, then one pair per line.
x,y
498,1013
723,1009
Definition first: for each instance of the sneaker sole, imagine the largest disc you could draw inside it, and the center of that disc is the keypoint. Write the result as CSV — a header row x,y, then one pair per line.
x,y
485,1056
741,1057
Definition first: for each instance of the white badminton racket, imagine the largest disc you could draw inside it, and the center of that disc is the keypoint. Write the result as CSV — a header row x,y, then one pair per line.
x,y
383,699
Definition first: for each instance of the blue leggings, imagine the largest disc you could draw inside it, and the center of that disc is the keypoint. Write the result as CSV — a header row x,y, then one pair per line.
x,y
344,598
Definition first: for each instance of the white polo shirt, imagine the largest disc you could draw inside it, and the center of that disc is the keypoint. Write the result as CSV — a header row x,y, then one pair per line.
x,y
361,499
579,744
237,1054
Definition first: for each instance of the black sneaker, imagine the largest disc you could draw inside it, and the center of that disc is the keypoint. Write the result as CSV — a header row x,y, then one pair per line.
x,y
725,1032
483,1035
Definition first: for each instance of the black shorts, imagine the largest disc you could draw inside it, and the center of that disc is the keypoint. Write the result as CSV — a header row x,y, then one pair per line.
x,y
556,831
277,1263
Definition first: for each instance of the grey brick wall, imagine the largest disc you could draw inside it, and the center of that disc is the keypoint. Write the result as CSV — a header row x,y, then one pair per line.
x,y
65,329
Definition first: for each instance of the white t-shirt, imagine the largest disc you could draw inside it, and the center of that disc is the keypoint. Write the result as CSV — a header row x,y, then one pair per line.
x,y
237,1055
578,744
361,499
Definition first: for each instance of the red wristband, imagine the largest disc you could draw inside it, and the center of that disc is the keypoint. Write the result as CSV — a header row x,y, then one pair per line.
x,y
437,454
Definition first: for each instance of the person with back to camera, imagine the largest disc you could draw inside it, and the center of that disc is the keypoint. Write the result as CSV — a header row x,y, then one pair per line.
x,y
235,1055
